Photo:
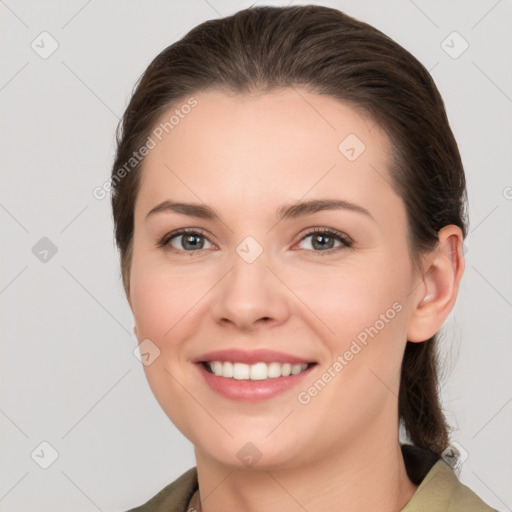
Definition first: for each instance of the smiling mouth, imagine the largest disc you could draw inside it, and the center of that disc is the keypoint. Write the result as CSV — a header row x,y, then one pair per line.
x,y
256,371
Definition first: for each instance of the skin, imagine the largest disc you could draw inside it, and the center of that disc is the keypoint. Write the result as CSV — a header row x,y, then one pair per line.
x,y
246,156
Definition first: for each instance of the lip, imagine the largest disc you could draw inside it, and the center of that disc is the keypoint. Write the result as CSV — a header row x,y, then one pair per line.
x,y
237,355
251,390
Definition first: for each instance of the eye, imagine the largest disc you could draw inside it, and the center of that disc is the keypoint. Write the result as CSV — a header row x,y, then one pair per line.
x,y
184,240
323,240
193,240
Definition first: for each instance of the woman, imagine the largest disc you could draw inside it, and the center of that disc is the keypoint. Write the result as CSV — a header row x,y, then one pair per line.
x,y
290,206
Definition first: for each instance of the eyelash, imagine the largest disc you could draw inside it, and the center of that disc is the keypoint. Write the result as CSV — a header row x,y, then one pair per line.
x,y
346,241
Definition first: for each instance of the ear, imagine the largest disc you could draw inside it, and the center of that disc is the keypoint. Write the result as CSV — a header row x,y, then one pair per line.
x,y
435,297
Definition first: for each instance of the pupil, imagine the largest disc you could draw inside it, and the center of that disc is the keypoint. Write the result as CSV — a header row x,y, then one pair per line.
x,y
320,237
190,239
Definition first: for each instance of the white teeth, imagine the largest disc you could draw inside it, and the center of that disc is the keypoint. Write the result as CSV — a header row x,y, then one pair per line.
x,y
257,371
274,370
217,367
240,371
226,369
286,369
296,368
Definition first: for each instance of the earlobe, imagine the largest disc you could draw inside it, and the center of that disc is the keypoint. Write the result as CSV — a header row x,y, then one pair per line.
x,y
436,296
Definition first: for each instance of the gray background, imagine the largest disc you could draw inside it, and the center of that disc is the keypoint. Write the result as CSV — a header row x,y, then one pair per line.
x,y
68,373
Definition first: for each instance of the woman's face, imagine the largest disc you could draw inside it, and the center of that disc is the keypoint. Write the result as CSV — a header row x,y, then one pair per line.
x,y
255,277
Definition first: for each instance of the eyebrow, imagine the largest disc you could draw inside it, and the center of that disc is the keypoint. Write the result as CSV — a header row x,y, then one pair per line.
x,y
290,211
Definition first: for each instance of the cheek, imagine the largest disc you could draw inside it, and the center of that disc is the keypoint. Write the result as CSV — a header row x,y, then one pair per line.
x,y
363,313
160,306
151,307
350,297
160,296
363,327
339,302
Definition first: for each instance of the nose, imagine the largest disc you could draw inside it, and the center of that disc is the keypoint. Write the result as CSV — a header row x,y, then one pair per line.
x,y
250,295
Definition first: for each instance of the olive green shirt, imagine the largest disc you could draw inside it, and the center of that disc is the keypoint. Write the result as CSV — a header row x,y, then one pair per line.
x,y
439,488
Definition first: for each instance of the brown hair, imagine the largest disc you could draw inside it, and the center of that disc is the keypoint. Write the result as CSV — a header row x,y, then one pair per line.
x,y
323,49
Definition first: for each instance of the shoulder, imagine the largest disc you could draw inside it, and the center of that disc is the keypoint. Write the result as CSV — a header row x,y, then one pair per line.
x,y
174,497
442,491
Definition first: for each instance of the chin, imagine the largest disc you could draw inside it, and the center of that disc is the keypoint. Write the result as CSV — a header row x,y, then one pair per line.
x,y
253,455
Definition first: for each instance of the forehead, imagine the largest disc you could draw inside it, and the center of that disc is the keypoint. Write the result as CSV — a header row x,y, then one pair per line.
x,y
242,151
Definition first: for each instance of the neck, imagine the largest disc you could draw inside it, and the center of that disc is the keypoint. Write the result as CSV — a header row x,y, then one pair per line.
x,y
361,476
